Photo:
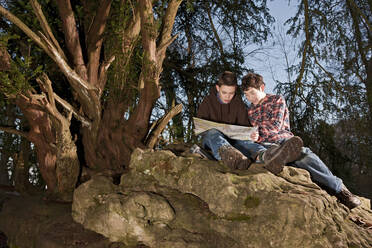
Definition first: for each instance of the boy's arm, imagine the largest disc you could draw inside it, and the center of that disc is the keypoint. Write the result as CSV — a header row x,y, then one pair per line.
x,y
203,110
274,121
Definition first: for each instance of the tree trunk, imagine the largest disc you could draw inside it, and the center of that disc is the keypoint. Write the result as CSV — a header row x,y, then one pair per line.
x,y
21,167
56,151
8,148
368,85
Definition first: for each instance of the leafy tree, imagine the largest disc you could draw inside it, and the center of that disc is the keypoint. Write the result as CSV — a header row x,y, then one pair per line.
x,y
106,137
333,81
89,87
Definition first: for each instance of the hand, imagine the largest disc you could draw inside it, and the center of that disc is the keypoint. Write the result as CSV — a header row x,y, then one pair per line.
x,y
255,135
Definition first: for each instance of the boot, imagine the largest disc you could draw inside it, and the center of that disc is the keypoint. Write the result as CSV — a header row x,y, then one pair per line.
x,y
276,156
233,158
347,198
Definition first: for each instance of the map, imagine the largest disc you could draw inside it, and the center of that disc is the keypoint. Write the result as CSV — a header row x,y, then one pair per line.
x,y
231,131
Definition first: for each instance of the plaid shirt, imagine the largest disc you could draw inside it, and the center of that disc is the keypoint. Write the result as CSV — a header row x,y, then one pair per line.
x,y
272,118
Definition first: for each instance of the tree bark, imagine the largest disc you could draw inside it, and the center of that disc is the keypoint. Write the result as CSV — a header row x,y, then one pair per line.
x,y
7,150
21,168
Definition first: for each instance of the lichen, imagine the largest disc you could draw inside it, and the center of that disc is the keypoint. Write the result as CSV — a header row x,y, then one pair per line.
x,y
251,202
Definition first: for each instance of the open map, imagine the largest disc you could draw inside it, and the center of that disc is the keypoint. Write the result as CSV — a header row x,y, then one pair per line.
x,y
231,131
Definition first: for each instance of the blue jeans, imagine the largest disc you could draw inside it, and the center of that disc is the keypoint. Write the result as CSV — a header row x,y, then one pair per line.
x,y
214,139
319,172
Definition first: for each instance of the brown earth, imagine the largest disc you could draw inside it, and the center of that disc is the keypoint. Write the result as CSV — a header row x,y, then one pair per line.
x,y
30,221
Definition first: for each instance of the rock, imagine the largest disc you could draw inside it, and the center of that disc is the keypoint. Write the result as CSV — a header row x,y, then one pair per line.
x,y
170,201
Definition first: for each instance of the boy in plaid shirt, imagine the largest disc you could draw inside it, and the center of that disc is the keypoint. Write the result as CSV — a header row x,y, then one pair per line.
x,y
270,114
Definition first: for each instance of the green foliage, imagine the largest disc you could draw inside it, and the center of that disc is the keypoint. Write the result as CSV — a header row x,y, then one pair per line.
x,y
330,106
17,80
125,70
195,60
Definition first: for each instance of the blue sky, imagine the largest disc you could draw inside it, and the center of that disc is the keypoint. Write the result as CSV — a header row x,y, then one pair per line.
x,y
270,62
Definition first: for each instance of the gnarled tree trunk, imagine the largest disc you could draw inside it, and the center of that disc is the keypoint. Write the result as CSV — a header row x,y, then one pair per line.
x,y
108,139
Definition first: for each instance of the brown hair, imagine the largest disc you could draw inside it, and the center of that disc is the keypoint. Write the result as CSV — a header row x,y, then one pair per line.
x,y
252,80
227,78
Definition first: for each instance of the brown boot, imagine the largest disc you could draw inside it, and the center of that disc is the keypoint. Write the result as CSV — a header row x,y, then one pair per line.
x,y
233,158
347,198
277,156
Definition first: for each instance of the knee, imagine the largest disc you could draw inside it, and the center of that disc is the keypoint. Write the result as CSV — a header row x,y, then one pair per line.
x,y
212,133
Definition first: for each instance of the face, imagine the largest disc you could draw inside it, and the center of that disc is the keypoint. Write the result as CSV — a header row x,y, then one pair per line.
x,y
254,95
226,92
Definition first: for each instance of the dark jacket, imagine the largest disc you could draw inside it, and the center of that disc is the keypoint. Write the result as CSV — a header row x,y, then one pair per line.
x,y
234,112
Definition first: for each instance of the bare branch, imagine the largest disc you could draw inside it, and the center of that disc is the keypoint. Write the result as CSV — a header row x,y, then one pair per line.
x,y
163,47
103,74
365,18
25,29
219,42
14,131
4,59
153,137
71,109
46,86
168,21
95,39
45,26
304,52
75,79
72,37
131,33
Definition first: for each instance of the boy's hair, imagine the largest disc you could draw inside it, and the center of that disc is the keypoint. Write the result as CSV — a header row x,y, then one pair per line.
x,y
253,80
227,78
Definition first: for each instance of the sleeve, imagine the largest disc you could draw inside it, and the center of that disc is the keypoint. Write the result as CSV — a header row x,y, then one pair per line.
x,y
274,122
243,118
203,110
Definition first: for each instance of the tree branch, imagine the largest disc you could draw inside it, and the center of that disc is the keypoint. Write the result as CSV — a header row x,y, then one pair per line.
x,y
95,39
102,78
304,53
46,86
72,37
71,109
45,26
76,81
219,42
14,131
153,137
355,6
25,29
165,36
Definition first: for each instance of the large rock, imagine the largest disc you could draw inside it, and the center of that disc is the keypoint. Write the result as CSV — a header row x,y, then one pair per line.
x,y
170,201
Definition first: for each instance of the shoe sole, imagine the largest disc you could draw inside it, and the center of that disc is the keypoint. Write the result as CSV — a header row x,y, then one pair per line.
x,y
233,158
289,151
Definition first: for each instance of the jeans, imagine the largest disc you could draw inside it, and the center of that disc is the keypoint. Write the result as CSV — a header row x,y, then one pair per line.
x,y
319,172
214,139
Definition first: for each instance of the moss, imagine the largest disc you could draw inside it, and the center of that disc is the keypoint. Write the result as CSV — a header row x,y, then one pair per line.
x,y
285,187
251,202
238,217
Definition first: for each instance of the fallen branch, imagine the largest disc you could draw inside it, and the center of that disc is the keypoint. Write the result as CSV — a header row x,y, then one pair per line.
x,y
154,135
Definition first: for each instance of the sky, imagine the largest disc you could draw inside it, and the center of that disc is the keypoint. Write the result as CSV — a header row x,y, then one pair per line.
x,y
270,61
